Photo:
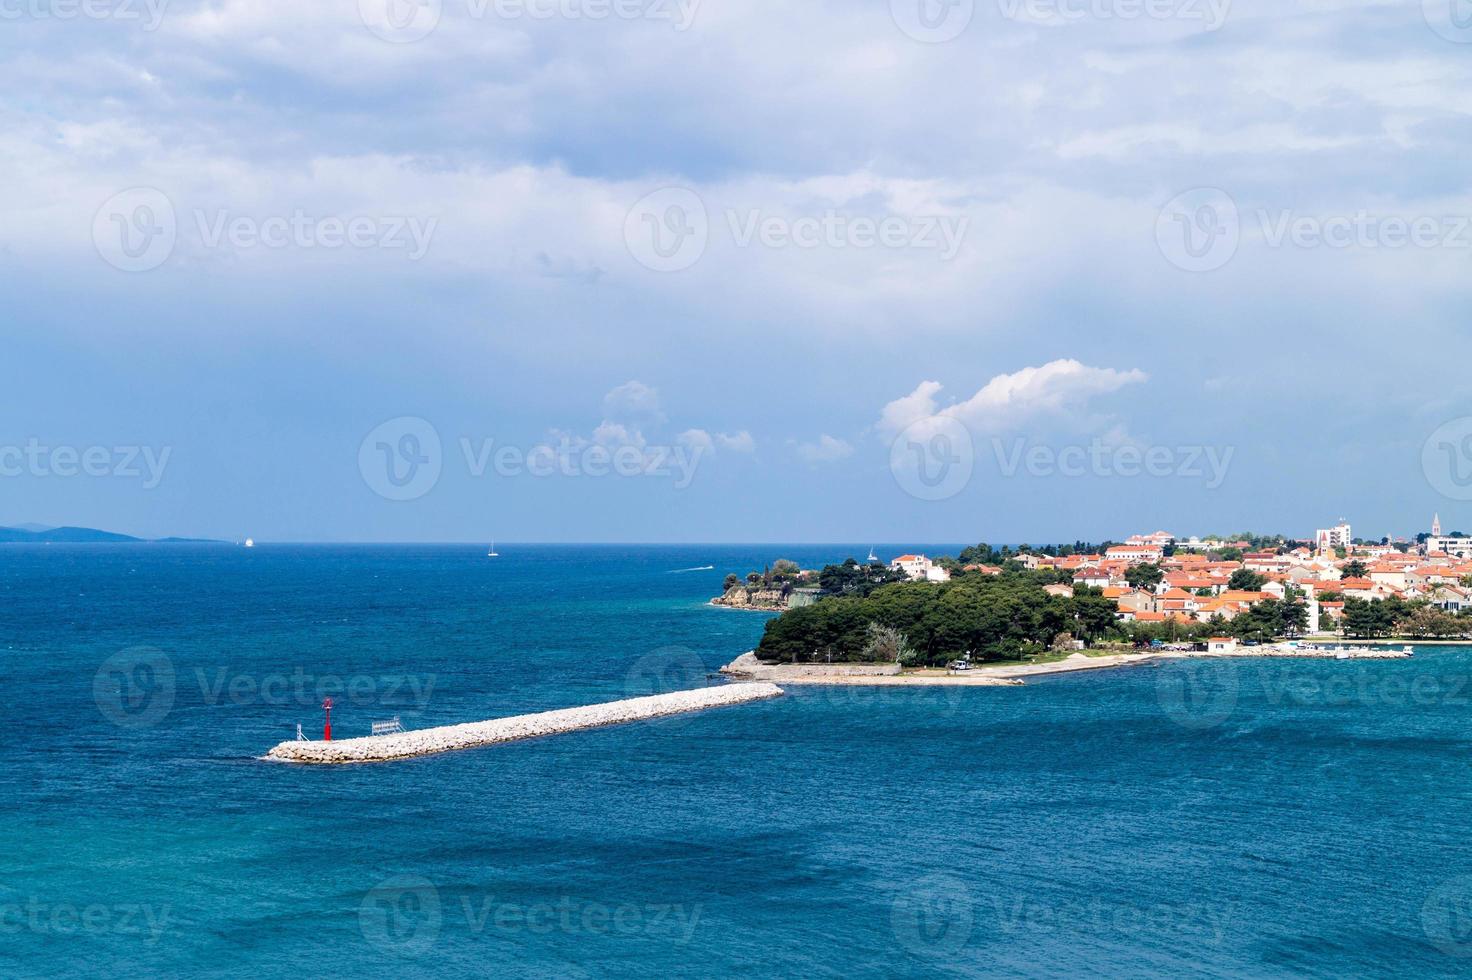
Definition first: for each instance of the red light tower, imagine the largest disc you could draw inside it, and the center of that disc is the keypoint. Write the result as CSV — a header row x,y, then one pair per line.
x,y
327,728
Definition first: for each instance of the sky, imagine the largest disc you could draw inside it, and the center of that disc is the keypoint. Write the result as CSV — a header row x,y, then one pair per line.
x,y
702,270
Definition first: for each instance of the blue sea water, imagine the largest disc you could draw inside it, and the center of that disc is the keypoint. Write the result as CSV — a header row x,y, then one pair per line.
x,y
1254,818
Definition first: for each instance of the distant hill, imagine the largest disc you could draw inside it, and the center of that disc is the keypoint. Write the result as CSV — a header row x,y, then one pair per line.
x,y
83,535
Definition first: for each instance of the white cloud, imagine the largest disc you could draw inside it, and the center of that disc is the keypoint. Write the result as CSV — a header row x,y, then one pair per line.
x,y
1009,400
697,439
739,442
615,434
633,401
827,449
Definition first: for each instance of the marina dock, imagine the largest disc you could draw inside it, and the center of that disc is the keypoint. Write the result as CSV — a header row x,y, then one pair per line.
x,y
451,738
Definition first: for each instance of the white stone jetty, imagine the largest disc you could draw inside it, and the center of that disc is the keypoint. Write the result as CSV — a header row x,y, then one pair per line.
x,y
449,738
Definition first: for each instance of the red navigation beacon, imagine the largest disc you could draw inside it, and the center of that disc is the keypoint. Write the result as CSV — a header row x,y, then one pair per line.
x,y
327,728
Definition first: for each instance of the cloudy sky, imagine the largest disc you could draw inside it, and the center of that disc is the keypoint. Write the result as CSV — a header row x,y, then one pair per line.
x,y
702,270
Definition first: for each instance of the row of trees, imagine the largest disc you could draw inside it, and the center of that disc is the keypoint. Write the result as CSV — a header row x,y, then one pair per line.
x,y
1366,619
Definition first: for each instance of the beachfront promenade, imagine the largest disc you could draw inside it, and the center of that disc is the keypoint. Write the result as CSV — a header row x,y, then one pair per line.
x,y
449,738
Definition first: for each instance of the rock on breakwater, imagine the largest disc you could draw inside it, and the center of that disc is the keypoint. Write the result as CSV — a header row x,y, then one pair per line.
x,y
450,738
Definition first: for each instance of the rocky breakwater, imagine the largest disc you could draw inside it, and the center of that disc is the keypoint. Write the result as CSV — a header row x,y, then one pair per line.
x,y
449,738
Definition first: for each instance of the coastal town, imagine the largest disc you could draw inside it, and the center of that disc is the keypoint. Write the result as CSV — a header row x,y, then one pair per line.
x,y
1201,580
1023,609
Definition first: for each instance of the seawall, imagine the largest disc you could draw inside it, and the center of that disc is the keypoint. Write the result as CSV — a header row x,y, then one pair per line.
x,y
450,738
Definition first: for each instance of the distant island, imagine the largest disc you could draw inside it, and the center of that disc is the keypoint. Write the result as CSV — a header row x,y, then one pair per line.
x,y
39,534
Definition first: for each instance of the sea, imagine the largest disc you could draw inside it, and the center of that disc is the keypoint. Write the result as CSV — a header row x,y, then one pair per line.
x,y
1252,818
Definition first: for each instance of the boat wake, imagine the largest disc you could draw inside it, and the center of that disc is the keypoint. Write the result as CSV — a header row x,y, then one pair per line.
x,y
699,568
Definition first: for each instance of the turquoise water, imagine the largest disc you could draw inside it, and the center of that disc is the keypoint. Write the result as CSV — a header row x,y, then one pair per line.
x,y
1253,818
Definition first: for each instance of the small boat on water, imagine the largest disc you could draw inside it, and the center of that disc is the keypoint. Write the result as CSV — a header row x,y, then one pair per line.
x,y
493,553
250,542
872,556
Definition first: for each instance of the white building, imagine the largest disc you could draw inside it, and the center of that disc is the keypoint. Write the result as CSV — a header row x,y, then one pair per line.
x,y
1329,538
920,568
1134,553
1461,547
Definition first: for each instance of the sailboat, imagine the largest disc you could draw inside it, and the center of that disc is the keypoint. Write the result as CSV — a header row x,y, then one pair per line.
x,y
493,553
872,556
